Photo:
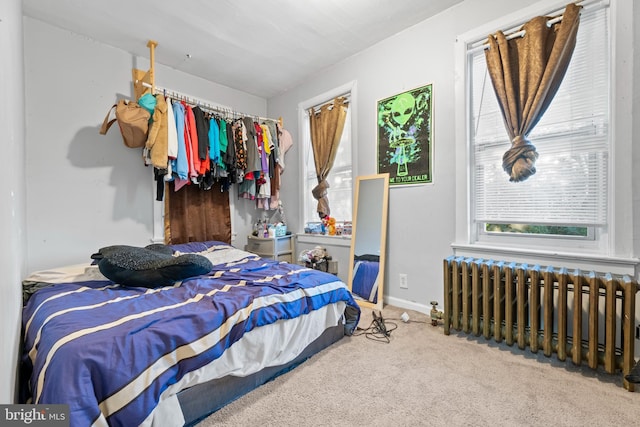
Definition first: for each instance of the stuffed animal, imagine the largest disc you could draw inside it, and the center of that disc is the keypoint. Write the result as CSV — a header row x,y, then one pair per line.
x,y
331,225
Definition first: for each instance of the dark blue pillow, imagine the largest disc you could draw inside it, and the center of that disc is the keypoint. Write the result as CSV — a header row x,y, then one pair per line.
x,y
149,267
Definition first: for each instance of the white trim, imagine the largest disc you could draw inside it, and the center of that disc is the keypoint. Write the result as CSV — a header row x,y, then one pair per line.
x,y
599,263
408,305
467,233
327,96
323,240
232,193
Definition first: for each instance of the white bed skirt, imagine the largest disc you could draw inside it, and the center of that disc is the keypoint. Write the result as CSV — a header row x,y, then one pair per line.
x,y
270,345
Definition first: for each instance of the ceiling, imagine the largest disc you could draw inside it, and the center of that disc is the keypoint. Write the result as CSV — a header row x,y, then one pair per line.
x,y
256,46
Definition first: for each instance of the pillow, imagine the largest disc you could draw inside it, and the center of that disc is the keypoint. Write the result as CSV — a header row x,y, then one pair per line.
x,y
67,274
149,267
77,273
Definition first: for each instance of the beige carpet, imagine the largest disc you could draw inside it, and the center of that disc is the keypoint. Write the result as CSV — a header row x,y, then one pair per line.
x,y
425,378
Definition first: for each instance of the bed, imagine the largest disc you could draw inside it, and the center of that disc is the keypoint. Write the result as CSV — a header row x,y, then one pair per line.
x,y
174,354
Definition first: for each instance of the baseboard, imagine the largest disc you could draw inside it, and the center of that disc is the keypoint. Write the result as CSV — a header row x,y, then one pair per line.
x,y
409,305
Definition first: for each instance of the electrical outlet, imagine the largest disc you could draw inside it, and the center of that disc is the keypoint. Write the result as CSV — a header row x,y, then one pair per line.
x,y
403,281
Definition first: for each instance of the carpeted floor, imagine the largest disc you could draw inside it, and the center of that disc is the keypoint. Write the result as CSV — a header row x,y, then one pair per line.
x,y
425,378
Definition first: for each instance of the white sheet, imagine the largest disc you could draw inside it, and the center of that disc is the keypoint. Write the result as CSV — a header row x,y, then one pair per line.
x,y
68,274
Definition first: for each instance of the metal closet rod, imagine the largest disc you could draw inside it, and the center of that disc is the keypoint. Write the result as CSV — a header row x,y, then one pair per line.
x,y
203,104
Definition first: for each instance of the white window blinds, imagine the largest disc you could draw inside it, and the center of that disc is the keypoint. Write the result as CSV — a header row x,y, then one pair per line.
x,y
572,139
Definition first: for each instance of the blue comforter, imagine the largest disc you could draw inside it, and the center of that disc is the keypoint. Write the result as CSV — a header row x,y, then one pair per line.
x,y
110,351
365,280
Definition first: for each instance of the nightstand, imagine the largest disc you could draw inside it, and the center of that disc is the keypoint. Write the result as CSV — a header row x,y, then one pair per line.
x,y
278,248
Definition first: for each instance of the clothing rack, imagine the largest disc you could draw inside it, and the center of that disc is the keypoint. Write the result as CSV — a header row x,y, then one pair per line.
x,y
144,82
206,105
145,79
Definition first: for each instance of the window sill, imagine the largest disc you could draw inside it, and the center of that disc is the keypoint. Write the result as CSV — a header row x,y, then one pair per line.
x,y
323,239
587,262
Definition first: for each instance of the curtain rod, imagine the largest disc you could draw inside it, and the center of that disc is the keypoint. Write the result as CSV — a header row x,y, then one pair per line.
x,y
346,96
520,33
204,104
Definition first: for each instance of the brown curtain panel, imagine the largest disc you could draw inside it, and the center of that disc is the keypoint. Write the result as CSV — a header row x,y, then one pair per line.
x,y
326,125
194,215
526,73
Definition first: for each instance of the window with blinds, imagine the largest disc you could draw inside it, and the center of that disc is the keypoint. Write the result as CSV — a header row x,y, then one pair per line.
x,y
570,187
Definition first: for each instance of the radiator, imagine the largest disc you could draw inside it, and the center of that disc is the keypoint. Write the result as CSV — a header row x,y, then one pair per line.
x,y
585,316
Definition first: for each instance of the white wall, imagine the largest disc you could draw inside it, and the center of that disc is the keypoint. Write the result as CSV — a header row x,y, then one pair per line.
x,y
85,190
421,218
635,134
12,195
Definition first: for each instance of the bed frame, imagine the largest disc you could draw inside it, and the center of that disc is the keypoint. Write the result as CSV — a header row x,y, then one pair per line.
x,y
198,402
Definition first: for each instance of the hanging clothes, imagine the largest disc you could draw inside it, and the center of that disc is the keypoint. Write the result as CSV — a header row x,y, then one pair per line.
x,y
172,140
253,157
214,140
239,142
285,142
247,188
190,145
230,152
191,142
180,165
273,137
202,129
263,183
157,139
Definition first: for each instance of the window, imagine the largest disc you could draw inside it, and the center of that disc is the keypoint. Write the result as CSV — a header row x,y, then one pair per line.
x,y
340,177
568,195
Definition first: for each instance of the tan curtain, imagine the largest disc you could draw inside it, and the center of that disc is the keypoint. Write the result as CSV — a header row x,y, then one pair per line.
x,y
526,73
326,125
195,215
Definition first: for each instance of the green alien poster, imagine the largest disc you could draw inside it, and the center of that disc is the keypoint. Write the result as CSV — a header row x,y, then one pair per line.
x,y
405,137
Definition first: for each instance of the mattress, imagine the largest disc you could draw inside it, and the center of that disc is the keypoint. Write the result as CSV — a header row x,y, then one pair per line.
x,y
122,356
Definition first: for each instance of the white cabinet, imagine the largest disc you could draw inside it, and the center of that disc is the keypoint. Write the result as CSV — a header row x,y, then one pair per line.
x,y
279,248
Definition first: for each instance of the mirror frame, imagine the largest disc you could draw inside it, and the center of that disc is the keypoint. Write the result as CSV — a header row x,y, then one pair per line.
x,y
383,238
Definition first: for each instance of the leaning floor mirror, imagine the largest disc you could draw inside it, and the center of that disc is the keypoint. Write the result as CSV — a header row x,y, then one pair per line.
x,y
368,240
